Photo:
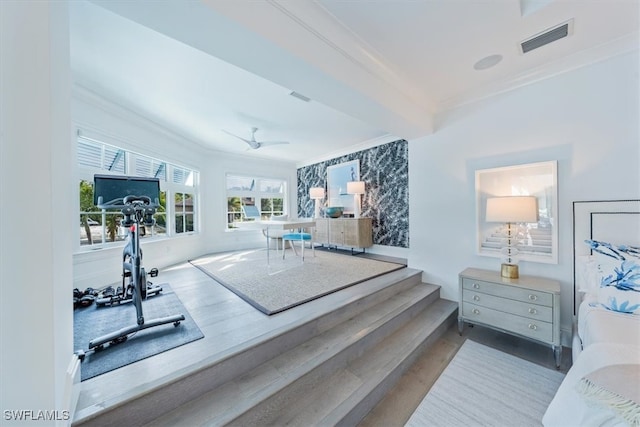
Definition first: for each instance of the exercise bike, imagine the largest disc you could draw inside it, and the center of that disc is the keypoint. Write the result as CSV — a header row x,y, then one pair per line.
x,y
124,293
137,210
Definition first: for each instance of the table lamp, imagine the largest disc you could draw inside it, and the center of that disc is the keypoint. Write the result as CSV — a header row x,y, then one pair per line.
x,y
511,210
356,188
317,194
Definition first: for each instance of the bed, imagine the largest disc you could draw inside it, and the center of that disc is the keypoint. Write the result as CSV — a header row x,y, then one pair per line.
x,y
602,388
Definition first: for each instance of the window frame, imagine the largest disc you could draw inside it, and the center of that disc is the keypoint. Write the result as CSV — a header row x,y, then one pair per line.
x,y
164,170
256,195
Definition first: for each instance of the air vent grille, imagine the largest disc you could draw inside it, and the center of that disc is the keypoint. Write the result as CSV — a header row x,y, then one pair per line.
x,y
299,96
545,38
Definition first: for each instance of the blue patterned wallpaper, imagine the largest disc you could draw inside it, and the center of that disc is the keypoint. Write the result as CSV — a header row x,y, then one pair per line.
x,y
385,170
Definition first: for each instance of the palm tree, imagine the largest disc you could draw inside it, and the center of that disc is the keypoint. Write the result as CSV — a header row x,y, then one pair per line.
x,y
234,206
86,205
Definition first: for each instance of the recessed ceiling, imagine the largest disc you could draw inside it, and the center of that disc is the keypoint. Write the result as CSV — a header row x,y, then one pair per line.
x,y
197,95
373,71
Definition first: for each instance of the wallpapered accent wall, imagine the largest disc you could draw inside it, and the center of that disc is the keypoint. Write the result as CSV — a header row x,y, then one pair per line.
x,y
385,171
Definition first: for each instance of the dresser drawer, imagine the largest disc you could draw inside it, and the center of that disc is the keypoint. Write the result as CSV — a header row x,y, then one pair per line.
x,y
505,291
536,329
519,308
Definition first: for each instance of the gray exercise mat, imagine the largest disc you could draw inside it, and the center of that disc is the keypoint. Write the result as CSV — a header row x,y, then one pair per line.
x,y
93,321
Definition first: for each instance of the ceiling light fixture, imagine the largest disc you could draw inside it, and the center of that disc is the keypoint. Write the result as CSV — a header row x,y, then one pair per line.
x,y
487,62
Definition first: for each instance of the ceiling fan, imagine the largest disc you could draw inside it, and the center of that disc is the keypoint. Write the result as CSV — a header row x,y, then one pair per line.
x,y
253,143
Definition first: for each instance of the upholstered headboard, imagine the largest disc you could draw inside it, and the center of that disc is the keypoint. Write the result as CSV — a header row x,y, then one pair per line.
x,y
613,221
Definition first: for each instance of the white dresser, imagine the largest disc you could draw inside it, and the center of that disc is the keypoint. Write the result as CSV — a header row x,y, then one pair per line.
x,y
528,307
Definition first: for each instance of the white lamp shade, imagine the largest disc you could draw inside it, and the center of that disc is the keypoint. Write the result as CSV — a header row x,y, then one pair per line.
x,y
355,187
316,192
512,209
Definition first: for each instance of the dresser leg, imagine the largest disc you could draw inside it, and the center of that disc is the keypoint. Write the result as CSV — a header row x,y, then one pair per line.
x,y
557,353
460,325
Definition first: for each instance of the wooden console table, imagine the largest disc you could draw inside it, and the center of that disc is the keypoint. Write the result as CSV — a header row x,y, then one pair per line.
x,y
345,232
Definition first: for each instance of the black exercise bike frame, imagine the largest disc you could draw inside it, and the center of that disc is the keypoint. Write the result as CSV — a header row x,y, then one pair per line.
x,y
137,210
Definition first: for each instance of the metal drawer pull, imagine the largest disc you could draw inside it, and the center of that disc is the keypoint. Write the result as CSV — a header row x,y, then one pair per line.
x,y
533,297
533,311
532,326
476,311
476,298
476,286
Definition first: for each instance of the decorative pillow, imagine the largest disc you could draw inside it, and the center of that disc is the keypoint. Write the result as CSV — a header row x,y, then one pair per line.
x,y
616,265
617,269
620,252
614,387
622,301
588,274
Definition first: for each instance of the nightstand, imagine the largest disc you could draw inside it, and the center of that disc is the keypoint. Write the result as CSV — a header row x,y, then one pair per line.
x,y
528,307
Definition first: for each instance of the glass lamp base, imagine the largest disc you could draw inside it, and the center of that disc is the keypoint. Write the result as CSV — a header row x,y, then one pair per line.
x,y
509,271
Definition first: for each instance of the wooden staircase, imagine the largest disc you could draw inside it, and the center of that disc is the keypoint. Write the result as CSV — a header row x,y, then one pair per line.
x,y
331,370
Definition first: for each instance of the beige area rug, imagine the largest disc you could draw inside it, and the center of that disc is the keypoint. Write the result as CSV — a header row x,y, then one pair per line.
x,y
483,386
282,284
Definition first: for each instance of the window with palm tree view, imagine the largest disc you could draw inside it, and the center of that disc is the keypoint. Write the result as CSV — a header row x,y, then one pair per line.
x,y
99,227
267,194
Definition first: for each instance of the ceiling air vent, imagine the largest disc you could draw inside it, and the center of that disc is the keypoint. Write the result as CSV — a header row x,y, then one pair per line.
x,y
299,96
556,33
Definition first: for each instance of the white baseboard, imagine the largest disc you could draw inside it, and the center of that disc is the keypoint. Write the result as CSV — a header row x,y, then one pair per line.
x,y
71,389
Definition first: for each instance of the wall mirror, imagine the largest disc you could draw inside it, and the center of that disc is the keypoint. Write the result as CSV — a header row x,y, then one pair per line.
x,y
540,241
337,178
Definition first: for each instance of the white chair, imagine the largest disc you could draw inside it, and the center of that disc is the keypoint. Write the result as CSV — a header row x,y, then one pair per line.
x,y
277,234
252,212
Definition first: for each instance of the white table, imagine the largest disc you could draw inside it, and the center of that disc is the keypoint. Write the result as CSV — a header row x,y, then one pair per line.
x,y
267,225
285,225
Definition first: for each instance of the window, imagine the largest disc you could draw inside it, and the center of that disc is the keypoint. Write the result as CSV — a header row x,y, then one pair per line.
x,y
183,212
102,227
267,194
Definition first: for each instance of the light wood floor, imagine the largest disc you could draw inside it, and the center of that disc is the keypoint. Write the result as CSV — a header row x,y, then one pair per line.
x,y
405,397
228,323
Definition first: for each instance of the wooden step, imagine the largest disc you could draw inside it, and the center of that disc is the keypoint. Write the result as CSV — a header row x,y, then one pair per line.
x,y
193,381
381,369
260,388
336,377
346,395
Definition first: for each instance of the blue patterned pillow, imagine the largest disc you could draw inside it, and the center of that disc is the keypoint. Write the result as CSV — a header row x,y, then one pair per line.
x,y
622,301
613,251
619,271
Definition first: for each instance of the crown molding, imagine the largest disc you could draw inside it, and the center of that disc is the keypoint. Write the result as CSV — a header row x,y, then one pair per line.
x,y
347,68
330,31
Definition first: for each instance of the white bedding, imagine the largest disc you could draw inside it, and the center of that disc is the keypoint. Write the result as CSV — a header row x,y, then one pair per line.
x,y
568,408
599,325
606,259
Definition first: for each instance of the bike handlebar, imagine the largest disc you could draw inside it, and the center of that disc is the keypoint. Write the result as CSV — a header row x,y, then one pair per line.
x,y
130,199
127,200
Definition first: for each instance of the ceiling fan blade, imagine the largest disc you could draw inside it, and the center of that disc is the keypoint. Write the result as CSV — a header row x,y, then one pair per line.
x,y
265,143
252,143
236,136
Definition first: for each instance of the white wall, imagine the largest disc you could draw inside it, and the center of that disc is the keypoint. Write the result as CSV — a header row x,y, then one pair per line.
x,y
586,119
35,177
110,123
